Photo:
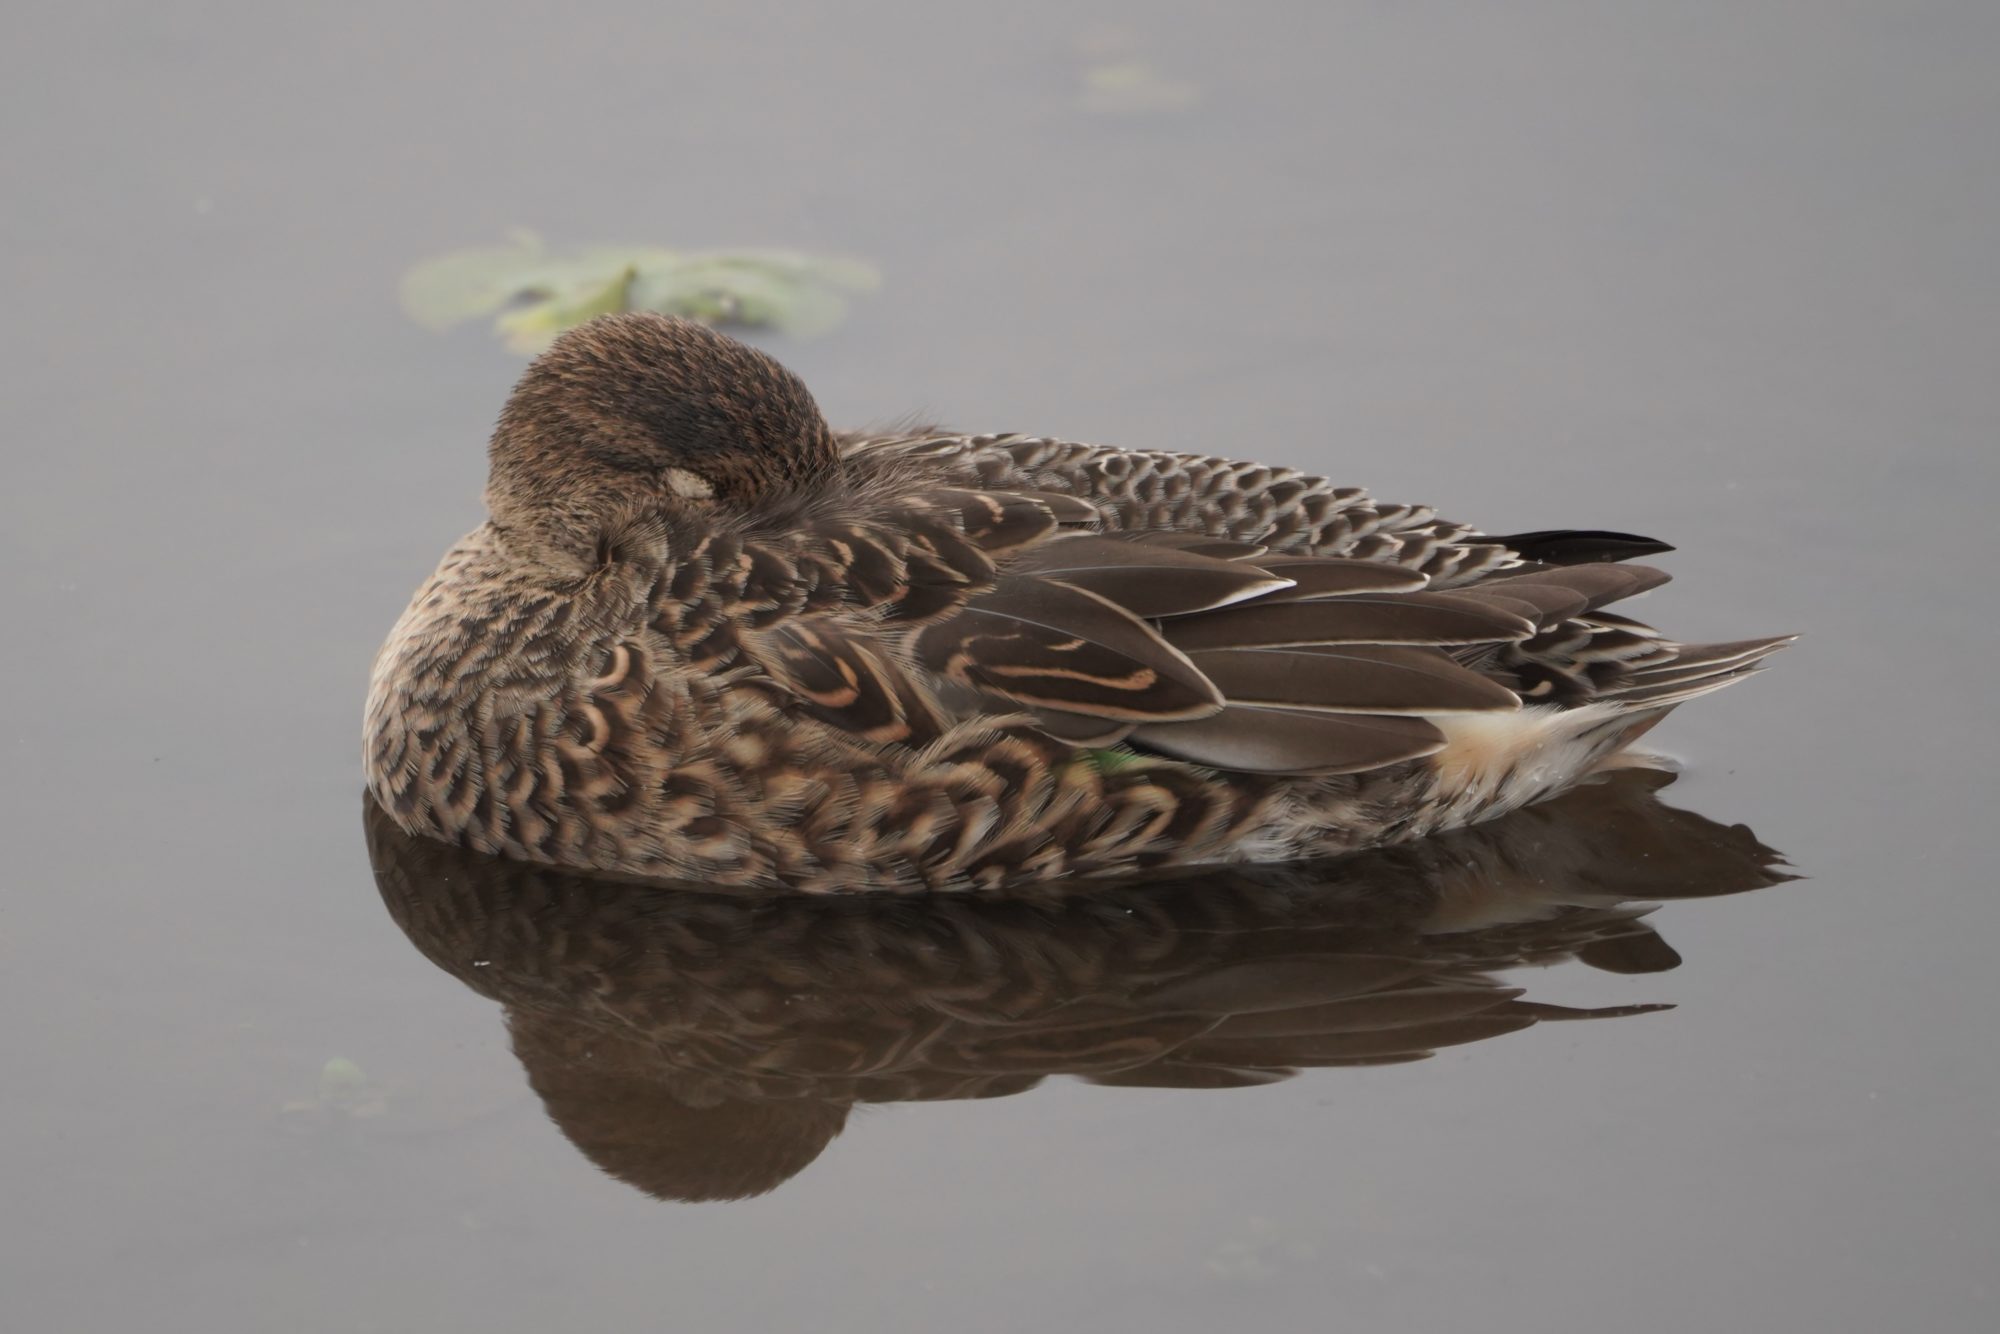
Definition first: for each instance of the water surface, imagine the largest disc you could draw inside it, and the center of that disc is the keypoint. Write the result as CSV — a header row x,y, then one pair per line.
x,y
1719,273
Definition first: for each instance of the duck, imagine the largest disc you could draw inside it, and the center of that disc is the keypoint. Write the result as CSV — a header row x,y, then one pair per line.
x,y
704,638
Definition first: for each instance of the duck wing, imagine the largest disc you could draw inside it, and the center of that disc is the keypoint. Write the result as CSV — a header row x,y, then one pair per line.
x,y
894,619
1300,665
1243,618
824,612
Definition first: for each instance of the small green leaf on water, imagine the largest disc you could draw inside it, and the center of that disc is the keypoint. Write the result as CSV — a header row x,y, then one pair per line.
x,y
340,1075
531,328
1116,77
467,283
1134,87
533,295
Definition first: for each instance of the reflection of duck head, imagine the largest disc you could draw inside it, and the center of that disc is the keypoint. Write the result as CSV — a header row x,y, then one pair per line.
x,y
677,1137
707,1046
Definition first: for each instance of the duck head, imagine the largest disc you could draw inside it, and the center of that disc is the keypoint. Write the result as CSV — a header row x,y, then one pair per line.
x,y
633,415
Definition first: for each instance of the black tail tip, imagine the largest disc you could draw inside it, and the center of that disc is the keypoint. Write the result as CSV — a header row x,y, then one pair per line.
x,y
1579,546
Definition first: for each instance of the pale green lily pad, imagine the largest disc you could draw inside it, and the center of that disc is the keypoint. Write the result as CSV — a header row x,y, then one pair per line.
x,y
533,295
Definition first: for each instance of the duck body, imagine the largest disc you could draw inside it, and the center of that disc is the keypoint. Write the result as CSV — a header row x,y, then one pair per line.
x,y
702,638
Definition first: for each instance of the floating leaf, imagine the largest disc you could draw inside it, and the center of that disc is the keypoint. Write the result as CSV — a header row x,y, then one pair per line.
x,y
468,283
530,328
340,1076
1115,76
345,1090
1134,87
533,295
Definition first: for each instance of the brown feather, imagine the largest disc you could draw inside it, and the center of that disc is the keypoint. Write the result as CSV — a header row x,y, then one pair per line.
x,y
1080,729
1221,548
1693,669
1148,581
1352,679
1324,577
1250,739
844,680
1661,695
1540,604
1596,584
1040,642
867,562
1067,509
991,521
1413,618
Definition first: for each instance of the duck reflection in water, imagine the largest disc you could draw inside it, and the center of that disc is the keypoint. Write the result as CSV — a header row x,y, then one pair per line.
x,y
706,1046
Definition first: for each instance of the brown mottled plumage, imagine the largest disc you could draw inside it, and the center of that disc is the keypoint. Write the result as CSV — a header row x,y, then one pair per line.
x,y
710,1046
702,637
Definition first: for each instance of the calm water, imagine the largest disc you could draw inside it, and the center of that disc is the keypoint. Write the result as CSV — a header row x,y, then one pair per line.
x,y
1721,273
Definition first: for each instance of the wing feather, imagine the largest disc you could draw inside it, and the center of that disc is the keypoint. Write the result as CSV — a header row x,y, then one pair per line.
x,y
1221,548
1332,576
1369,678
1411,618
1251,739
1039,642
845,679
1146,580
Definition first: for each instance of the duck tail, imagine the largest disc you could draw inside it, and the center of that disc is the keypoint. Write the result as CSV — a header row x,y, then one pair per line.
x,y
1692,670
1497,762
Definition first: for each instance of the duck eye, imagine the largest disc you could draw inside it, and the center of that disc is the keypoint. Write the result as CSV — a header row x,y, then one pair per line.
x,y
688,485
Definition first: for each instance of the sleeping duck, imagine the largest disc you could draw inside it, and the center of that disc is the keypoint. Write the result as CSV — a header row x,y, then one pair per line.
x,y
703,637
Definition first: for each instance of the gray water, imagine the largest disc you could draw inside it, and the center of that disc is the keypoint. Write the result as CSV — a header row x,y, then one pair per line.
x,y
1720,273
